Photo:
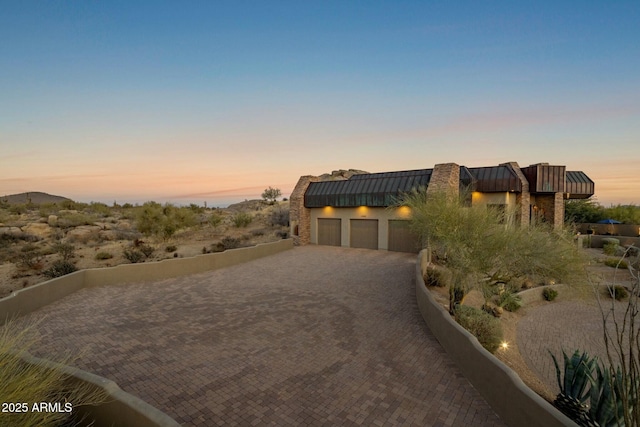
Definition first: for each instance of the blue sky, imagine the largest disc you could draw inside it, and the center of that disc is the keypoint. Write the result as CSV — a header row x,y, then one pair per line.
x,y
194,101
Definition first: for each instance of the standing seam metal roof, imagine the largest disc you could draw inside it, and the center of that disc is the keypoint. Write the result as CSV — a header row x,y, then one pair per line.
x,y
384,188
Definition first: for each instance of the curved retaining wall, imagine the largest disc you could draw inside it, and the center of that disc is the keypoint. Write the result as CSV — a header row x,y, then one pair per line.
x,y
34,297
121,408
502,388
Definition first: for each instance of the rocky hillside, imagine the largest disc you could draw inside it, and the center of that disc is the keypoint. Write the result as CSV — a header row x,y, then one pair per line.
x,y
35,197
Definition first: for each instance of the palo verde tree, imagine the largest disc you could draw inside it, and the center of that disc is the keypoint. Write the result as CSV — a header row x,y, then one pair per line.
x,y
271,194
482,246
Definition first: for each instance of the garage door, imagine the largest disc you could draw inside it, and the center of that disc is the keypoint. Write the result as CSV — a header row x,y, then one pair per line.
x,y
329,231
401,239
364,233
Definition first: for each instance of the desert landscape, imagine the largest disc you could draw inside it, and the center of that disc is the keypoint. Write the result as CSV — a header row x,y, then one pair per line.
x,y
44,236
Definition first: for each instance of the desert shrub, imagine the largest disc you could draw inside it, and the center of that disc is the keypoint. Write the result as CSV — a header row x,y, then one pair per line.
x,y
196,209
134,256
618,292
282,234
549,294
227,242
483,326
241,219
610,248
509,301
155,219
616,263
75,219
436,275
100,256
66,251
46,209
171,248
37,382
99,209
258,232
215,219
60,268
18,209
279,216
147,250
29,258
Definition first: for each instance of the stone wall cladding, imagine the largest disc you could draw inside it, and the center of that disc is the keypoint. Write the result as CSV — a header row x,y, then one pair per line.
x,y
552,206
299,216
445,177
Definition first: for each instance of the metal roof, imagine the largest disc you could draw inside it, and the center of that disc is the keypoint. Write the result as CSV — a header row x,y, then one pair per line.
x,y
384,188
495,179
579,185
375,189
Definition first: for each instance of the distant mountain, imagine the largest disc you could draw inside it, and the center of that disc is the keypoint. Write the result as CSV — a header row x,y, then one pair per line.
x,y
35,197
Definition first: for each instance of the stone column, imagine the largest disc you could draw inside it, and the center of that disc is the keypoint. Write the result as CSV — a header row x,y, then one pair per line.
x,y
299,216
552,206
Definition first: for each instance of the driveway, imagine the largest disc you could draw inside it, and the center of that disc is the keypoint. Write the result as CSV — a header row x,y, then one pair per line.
x,y
312,336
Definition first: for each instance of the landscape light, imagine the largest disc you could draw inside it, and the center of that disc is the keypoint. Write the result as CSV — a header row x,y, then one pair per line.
x,y
504,345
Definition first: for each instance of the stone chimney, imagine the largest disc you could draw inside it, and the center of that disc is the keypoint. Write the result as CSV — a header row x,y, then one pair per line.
x,y
445,178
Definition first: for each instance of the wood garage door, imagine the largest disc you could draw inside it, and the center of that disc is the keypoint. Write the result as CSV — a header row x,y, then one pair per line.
x,y
401,239
364,233
329,231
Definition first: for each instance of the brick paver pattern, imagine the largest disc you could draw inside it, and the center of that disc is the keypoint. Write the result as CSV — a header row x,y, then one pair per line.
x,y
312,336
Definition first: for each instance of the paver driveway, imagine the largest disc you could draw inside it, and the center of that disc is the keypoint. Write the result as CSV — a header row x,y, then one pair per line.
x,y
311,336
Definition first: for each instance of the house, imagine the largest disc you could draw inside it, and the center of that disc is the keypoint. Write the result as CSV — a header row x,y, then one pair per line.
x,y
360,211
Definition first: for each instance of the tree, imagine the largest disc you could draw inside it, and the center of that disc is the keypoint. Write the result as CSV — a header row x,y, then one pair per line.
x,y
483,247
271,194
583,211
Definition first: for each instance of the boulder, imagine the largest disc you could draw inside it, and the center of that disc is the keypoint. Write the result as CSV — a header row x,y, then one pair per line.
x,y
109,235
38,229
12,231
123,225
83,233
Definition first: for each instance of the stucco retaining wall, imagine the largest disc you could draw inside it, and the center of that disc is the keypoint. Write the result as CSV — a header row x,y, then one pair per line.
x,y
597,240
512,400
34,297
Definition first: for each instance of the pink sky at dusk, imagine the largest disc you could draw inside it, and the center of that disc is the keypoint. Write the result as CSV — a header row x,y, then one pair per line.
x,y
214,104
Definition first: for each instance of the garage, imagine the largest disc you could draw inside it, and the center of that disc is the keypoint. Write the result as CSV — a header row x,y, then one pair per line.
x,y
329,231
364,233
401,239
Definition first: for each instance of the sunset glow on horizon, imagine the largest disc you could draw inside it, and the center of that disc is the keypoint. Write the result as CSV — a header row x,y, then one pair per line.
x,y
215,101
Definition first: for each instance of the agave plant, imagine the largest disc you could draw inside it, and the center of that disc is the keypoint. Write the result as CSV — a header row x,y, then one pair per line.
x,y
575,389
606,406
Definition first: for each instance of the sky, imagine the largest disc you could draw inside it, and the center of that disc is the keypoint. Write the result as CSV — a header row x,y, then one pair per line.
x,y
214,101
